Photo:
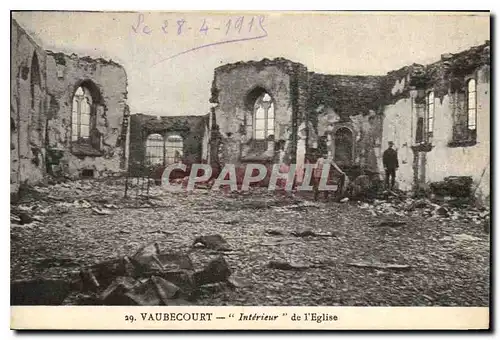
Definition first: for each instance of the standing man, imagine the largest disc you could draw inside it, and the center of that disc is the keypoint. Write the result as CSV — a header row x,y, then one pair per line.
x,y
391,164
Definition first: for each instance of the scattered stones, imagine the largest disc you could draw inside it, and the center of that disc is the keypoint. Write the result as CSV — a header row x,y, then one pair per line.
x,y
216,271
409,207
48,292
237,282
110,206
148,278
379,265
216,242
310,233
465,237
101,211
279,243
487,226
15,219
419,204
442,211
390,223
231,222
456,186
21,217
286,265
155,291
56,262
274,232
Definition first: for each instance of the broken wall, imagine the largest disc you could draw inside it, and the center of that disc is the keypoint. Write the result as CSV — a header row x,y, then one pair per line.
x,y
235,89
463,159
441,154
27,109
350,105
192,129
107,82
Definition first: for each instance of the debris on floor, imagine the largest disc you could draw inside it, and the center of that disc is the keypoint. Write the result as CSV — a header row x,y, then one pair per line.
x,y
379,265
148,278
86,254
287,265
215,242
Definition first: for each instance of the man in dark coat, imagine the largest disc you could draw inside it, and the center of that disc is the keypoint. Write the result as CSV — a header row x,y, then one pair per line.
x,y
391,164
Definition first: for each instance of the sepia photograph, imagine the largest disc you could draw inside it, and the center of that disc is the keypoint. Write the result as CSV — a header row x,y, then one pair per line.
x,y
249,158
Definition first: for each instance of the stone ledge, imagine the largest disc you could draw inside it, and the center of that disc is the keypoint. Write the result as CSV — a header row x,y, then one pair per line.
x,y
423,147
80,149
461,143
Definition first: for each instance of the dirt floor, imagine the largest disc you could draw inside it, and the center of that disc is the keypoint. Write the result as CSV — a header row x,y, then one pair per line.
x,y
383,253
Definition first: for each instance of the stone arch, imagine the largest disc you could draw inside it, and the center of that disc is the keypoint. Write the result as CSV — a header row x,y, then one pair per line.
x,y
252,96
93,89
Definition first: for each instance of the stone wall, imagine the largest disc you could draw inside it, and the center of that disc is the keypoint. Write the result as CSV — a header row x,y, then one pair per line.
x,y
192,129
235,89
354,117
342,103
107,82
27,110
42,87
444,153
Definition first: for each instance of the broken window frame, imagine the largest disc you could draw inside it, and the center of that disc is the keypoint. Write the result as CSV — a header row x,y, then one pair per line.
x,y
79,100
174,143
154,150
269,119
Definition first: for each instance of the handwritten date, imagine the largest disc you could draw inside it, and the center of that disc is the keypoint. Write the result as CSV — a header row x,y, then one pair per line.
x,y
179,27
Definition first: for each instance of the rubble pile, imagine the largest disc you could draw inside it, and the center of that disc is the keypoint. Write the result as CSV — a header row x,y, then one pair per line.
x,y
99,197
453,186
148,278
424,207
69,247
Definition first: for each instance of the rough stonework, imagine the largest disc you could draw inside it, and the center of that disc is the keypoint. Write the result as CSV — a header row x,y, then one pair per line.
x,y
345,114
207,169
284,81
27,109
449,144
352,118
43,86
107,82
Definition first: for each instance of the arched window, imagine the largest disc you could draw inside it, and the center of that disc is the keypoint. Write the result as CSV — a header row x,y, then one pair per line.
x,y
263,117
430,114
471,105
34,80
174,149
154,149
81,113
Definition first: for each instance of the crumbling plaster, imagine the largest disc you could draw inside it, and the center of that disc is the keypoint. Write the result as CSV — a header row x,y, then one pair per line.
x,y
441,155
42,87
64,75
232,90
